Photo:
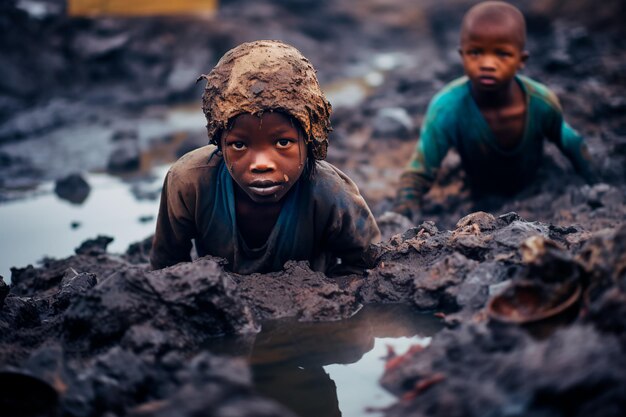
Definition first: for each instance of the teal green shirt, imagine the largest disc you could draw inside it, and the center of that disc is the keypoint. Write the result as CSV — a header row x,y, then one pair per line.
x,y
454,120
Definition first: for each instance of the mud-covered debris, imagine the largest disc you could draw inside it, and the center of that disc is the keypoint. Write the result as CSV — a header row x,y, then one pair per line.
x,y
73,287
514,234
436,286
43,281
480,220
549,262
150,320
526,301
19,312
604,260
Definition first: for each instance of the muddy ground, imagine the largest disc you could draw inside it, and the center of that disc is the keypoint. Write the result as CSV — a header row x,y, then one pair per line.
x,y
99,334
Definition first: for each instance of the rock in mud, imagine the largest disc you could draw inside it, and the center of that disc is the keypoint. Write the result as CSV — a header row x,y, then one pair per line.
x,y
94,247
73,188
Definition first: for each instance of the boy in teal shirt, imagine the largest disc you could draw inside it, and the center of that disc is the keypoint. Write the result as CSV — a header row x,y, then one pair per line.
x,y
495,118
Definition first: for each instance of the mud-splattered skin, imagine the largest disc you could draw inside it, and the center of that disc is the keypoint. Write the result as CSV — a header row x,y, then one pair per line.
x,y
265,156
262,76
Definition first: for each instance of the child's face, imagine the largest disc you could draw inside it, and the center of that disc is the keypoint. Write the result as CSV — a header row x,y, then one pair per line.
x,y
492,55
265,155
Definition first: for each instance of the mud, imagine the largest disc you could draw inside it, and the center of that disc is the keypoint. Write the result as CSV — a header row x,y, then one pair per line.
x,y
109,318
486,368
98,334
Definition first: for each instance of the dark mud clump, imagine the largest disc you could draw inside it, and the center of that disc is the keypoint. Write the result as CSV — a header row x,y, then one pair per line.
x,y
107,335
73,188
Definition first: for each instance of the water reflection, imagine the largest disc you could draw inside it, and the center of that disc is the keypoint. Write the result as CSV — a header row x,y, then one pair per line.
x,y
332,368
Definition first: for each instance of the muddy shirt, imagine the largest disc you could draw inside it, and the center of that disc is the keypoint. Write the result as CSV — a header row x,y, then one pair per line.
x,y
321,220
454,120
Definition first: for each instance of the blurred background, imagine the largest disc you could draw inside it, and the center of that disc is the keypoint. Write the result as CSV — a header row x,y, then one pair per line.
x,y
99,97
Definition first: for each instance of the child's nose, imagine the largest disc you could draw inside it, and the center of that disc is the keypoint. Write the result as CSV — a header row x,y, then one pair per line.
x,y
262,163
488,63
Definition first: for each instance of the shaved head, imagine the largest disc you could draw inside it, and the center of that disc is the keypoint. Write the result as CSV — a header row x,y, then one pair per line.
x,y
491,13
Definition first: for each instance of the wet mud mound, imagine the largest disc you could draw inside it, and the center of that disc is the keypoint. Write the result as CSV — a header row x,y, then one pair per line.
x,y
490,367
106,334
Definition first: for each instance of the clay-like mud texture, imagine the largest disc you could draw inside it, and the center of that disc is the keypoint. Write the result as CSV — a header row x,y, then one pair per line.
x,y
99,319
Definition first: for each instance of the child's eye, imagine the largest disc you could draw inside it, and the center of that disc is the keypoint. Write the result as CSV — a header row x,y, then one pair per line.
x,y
238,145
284,143
503,53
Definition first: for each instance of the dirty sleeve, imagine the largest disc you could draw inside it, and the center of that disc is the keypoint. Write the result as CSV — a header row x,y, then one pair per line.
x,y
175,225
571,144
350,230
432,146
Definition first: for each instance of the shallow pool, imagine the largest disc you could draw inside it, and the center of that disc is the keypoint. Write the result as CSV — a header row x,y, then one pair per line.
x,y
332,368
44,225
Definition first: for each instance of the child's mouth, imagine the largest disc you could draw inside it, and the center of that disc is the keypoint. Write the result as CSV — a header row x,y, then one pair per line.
x,y
487,80
264,188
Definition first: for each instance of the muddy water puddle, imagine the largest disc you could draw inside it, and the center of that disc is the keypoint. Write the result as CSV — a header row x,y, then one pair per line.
x,y
332,368
36,223
44,225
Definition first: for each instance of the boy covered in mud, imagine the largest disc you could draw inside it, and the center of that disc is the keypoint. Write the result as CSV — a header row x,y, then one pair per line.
x,y
495,118
260,193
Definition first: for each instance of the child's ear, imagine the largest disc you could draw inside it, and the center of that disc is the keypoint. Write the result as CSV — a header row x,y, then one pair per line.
x,y
524,58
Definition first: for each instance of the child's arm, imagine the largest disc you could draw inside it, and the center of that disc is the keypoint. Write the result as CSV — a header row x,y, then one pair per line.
x,y
349,226
421,171
573,146
351,232
174,230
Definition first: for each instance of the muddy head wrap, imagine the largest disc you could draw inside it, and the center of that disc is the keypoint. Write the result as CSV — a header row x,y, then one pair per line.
x,y
262,76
